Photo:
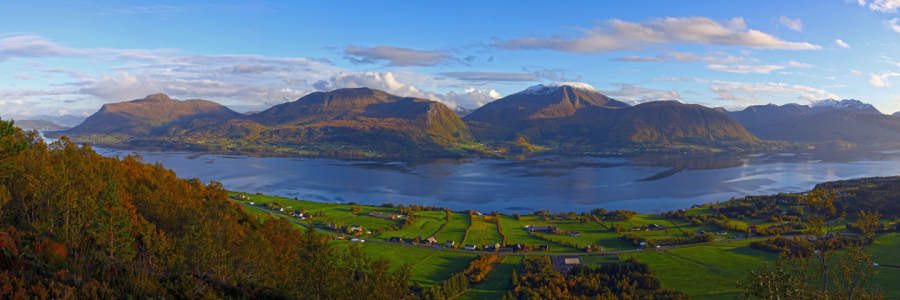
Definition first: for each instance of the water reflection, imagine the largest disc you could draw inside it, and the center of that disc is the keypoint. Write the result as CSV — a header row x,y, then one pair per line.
x,y
645,182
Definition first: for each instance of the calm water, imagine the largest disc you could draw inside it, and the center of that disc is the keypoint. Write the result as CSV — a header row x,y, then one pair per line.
x,y
646,183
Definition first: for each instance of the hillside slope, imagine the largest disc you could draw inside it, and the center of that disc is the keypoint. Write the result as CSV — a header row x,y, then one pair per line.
x,y
579,115
837,125
152,115
825,121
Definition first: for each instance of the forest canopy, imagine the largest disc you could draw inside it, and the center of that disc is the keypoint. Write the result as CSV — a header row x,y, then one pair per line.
x,y
78,225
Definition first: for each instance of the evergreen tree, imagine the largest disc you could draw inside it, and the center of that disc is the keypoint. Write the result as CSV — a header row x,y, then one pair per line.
x,y
110,229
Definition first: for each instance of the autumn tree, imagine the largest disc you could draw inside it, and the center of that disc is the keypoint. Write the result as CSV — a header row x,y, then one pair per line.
x,y
815,270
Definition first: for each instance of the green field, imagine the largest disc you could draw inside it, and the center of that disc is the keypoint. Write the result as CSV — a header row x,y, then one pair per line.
x,y
334,212
497,284
695,280
429,266
593,233
456,230
426,226
707,271
483,232
887,279
536,220
885,251
737,259
516,234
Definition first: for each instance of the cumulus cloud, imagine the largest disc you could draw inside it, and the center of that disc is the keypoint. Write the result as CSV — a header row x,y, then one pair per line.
x,y
395,56
881,80
636,94
885,6
892,25
386,81
711,58
855,72
762,69
614,35
842,43
793,24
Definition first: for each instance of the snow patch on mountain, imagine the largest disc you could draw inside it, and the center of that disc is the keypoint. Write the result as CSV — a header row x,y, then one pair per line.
x,y
547,88
848,104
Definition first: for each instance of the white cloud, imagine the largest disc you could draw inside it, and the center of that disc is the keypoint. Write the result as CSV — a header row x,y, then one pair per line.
x,y
855,72
885,6
35,46
793,24
617,35
386,81
892,25
842,43
881,80
796,64
762,69
747,93
394,56
674,79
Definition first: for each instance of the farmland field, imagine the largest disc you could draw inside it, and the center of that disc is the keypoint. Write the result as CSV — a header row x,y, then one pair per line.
x,y
426,226
497,284
429,266
483,232
456,230
738,259
695,280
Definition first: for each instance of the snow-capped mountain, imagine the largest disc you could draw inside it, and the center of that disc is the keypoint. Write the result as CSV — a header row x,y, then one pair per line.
x,y
548,88
846,104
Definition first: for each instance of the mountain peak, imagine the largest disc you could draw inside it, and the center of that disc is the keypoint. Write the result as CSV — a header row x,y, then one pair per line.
x,y
550,87
851,104
158,97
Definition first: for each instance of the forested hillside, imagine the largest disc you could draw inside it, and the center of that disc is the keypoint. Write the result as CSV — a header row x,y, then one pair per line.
x,y
77,225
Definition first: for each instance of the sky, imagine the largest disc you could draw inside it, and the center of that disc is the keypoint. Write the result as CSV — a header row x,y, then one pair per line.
x,y
71,57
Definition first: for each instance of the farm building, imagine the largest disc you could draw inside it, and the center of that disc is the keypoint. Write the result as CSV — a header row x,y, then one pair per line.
x,y
544,229
382,215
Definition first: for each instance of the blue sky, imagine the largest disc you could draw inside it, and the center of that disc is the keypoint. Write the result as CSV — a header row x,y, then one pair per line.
x,y
60,57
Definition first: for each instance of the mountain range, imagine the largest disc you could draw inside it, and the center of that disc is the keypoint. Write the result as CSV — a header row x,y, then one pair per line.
x,y
37,125
575,113
559,114
61,120
824,121
364,117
